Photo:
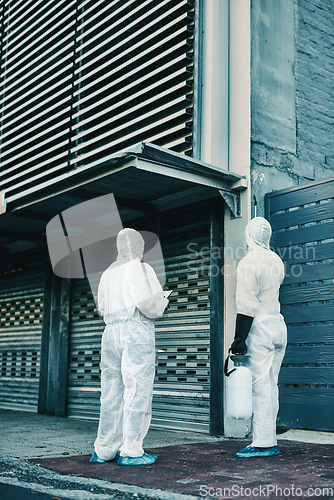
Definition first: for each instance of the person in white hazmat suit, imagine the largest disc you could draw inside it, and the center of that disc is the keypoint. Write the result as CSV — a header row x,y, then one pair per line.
x,y
129,298
261,331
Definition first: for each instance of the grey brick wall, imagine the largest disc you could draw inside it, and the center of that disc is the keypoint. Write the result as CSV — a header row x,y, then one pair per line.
x,y
292,94
314,83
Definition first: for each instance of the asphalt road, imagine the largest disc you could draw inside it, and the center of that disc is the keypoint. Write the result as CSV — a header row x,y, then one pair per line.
x,y
13,492
10,492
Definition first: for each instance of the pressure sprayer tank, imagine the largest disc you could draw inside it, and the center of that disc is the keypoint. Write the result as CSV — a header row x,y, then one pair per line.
x,y
238,388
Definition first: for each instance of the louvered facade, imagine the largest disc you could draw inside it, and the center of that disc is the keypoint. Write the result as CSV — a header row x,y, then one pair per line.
x,y
81,80
84,82
128,97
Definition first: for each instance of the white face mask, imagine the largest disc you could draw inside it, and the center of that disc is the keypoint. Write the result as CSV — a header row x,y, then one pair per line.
x,y
258,233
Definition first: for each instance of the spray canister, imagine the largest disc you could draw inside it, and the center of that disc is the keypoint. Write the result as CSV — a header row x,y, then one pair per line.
x,y
238,387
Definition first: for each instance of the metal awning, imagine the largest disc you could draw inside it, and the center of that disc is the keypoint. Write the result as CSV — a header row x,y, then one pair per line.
x,y
145,179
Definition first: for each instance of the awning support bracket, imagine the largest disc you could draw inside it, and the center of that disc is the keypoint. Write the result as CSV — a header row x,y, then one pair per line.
x,y
232,200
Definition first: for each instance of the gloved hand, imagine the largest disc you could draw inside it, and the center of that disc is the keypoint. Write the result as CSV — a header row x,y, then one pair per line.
x,y
242,326
238,347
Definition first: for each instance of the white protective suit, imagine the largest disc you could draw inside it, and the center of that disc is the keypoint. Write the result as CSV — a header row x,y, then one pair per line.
x,y
259,276
129,298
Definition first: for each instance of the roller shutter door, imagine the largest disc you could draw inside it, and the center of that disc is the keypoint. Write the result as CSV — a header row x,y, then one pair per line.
x,y
303,227
181,392
86,327
21,300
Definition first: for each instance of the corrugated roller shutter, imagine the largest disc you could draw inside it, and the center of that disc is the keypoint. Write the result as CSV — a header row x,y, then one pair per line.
x,y
181,392
21,301
182,385
81,80
86,327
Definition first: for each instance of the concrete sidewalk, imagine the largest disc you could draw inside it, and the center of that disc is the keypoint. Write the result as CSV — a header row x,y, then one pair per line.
x,y
51,455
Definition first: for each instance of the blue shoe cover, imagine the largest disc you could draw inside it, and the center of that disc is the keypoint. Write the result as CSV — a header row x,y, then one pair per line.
x,y
143,460
97,460
251,451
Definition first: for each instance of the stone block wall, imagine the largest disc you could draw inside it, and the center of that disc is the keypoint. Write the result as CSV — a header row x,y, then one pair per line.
x,y
292,98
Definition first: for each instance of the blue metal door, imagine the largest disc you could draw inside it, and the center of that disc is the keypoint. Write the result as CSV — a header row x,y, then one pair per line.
x,y
302,219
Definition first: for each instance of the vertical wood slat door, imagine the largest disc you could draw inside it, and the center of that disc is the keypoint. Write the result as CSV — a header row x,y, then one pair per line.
x,y
181,391
21,301
303,235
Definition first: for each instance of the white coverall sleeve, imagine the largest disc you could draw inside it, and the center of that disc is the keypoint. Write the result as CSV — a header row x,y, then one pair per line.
x,y
247,289
101,298
145,290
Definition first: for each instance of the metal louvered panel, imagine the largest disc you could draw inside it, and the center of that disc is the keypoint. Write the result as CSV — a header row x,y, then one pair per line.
x,y
134,76
83,79
21,301
181,391
36,86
